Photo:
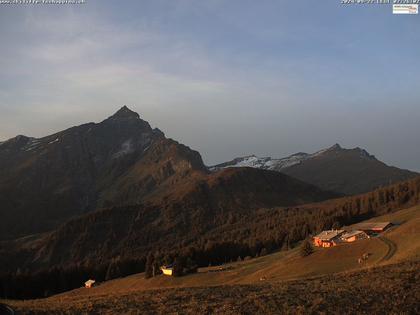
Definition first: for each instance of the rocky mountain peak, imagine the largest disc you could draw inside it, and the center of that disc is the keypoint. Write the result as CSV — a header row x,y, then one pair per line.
x,y
365,154
335,147
125,113
128,120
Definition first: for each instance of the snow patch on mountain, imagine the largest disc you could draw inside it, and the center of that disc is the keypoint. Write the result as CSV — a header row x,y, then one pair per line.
x,y
32,144
54,141
266,163
269,163
126,148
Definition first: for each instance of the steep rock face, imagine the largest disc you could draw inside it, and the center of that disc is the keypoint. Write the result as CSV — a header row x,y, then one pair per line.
x,y
165,163
45,181
347,171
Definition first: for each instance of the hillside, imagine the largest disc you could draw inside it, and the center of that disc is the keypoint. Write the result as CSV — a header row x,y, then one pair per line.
x,y
119,241
323,282
182,214
288,265
347,171
390,290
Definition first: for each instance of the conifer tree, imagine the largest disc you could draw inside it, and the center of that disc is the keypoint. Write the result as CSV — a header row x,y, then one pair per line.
x,y
149,272
306,248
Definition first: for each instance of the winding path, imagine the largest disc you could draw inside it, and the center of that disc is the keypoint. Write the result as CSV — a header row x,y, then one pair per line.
x,y
6,310
392,248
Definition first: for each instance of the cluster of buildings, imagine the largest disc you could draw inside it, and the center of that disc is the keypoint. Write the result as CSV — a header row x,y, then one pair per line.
x,y
360,231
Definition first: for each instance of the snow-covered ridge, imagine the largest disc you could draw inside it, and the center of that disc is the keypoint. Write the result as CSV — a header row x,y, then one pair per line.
x,y
269,163
266,163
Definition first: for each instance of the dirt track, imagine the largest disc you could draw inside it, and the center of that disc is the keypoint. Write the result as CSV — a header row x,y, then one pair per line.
x,y
6,310
392,248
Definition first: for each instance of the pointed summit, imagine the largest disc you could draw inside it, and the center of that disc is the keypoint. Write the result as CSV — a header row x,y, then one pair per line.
x,y
336,147
128,118
125,113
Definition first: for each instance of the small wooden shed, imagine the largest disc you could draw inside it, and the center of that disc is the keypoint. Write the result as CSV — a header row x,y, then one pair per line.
x,y
90,283
167,270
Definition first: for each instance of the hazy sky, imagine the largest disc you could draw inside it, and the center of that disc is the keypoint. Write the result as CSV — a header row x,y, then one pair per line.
x,y
227,78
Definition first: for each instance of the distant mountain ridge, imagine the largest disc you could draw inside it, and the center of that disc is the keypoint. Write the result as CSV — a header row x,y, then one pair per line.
x,y
122,161
347,171
273,164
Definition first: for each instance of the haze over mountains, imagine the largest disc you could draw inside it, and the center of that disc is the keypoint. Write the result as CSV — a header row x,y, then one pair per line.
x,y
347,171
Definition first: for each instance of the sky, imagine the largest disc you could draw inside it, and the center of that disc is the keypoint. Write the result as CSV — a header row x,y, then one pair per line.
x,y
227,78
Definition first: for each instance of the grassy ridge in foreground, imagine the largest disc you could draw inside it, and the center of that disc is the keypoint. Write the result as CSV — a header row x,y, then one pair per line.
x,y
391,289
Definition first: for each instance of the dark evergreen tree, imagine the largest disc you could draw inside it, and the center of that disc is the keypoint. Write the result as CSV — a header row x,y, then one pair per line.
x,y
179,266
306,248
149,268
